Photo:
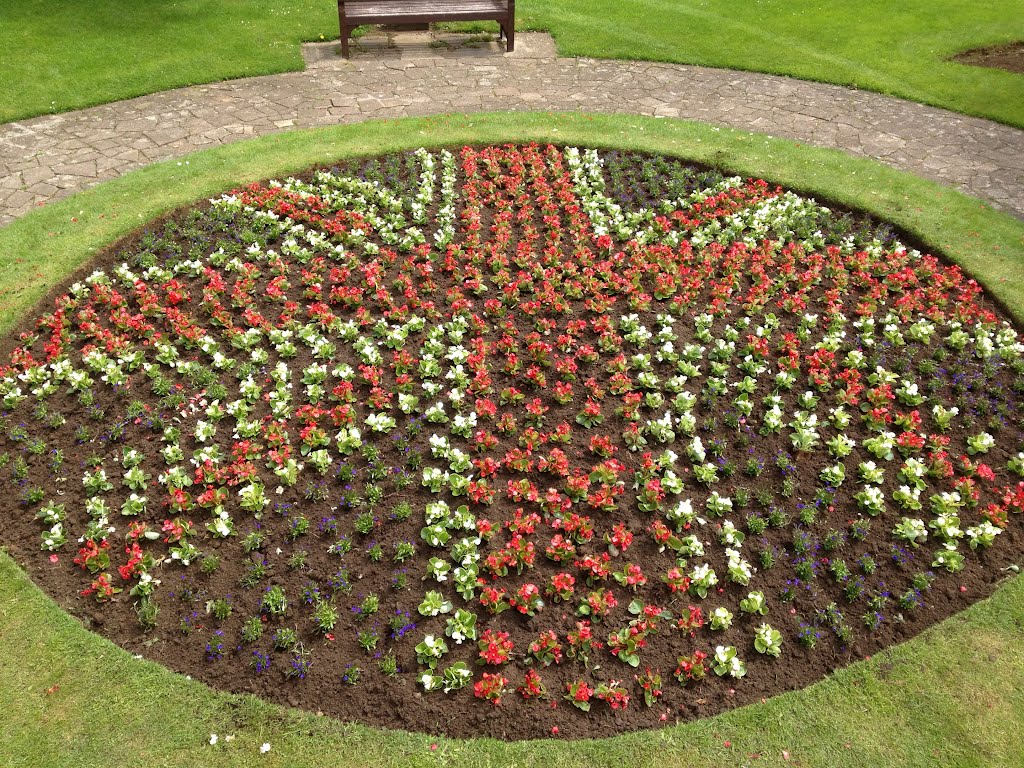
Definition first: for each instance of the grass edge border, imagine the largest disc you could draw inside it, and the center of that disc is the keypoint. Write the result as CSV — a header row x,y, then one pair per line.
x,y
933,213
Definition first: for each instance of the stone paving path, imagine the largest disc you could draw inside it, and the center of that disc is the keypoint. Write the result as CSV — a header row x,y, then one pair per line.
x,y
407,74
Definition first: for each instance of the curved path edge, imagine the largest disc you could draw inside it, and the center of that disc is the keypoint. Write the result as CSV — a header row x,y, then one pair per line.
x,y
46,158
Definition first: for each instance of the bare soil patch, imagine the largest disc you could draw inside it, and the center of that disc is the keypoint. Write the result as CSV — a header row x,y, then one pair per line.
x,y
1009,57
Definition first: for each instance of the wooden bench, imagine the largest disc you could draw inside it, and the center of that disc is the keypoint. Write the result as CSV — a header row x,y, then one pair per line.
x,y
355,13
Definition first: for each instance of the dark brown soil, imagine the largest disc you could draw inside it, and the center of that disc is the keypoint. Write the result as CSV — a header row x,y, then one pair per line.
x,y
399,702
1009,57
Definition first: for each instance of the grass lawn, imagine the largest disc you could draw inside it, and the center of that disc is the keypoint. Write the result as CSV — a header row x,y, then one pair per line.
x,y
68,54
894,48
950,697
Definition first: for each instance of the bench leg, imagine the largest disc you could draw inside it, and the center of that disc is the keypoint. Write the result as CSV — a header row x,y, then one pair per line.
x,y
343,27
510,27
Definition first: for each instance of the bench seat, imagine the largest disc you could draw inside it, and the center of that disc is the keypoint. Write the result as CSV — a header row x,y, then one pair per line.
x,y
355,13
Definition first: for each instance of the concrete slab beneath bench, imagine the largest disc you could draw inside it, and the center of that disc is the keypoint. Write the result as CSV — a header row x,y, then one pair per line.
x,y
387,43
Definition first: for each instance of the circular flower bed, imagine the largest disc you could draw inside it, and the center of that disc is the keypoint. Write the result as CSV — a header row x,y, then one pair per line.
x,y
514,441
